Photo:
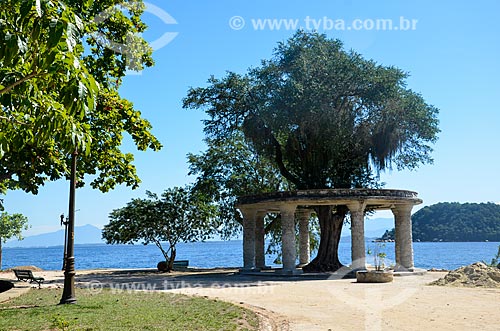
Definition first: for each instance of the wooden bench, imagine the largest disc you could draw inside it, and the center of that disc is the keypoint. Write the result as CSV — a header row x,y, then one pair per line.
x,y
27,275
181,263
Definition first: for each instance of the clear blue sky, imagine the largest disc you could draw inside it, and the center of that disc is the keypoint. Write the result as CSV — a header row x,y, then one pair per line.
x,y
452,56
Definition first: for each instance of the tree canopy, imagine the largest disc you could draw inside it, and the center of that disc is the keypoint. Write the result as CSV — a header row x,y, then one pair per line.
x,y
324,118
59,92
178,215
11,226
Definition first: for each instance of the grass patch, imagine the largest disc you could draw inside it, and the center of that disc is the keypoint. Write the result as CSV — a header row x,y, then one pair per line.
x,y
39,310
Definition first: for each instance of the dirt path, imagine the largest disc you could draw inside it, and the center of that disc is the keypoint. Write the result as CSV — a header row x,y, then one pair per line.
x,y
406,304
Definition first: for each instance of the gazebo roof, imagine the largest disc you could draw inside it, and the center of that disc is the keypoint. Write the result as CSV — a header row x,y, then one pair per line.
x,y
372,198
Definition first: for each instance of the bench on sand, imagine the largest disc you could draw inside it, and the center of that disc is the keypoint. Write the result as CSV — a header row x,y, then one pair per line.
x,y
27,275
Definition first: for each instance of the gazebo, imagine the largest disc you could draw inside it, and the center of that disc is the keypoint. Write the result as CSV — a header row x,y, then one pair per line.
x,y
298,205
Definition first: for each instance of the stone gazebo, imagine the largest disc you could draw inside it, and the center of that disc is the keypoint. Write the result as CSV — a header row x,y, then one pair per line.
x,y
299,204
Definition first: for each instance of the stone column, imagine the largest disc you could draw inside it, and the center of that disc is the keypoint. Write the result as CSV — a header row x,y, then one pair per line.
x,y
358,248
289,253
304,245
403,237
248,238
260,257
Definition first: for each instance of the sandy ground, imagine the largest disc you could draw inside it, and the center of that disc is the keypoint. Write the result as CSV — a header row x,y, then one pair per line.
x,y
319,303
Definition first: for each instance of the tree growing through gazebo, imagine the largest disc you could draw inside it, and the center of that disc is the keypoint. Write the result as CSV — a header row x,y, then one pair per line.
x,y
324,118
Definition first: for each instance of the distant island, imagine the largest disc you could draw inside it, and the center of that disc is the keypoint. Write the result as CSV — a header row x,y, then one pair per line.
x,y
454,222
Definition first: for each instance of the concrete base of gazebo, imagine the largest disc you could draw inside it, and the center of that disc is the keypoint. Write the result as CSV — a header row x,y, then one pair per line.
x,y
298,274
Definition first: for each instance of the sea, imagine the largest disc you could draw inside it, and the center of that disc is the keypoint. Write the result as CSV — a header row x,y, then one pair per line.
x,y
212,254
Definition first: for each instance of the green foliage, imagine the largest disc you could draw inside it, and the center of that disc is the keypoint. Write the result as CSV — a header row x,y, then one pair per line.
x,y
114,34
457,222
45,89
378,256
55,98
11,226
495,262
60,323
114,117
178,215
322,116
230,168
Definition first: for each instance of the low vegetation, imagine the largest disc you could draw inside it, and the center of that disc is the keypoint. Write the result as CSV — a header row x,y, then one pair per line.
x,y
39,310
495,262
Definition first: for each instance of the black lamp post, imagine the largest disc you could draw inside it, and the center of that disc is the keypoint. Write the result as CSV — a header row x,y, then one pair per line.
x,y
65,223
68,295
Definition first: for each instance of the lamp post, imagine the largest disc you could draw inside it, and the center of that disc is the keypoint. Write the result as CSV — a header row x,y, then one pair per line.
x,y
68,295
65,223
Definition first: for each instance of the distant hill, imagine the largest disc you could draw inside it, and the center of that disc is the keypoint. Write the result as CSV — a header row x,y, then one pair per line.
x,y
86,234
455,222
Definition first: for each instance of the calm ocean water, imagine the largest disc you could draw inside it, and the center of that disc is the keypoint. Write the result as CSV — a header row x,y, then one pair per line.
x,y
446,255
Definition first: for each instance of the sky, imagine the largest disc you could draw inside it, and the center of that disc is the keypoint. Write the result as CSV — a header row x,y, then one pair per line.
x,y
451,49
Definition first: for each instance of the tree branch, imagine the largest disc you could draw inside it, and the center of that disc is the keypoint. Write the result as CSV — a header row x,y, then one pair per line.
x,y
12,120
22,80
278,157
7,175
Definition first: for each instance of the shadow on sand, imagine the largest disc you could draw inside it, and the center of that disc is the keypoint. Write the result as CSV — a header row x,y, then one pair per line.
x,y
187,278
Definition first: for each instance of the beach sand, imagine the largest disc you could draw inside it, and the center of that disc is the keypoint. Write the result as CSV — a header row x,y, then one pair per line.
x,y
306,303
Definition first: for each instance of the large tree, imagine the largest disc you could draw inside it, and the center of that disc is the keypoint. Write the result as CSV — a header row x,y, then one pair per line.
x,y
59,91
179,215
11,226
325,118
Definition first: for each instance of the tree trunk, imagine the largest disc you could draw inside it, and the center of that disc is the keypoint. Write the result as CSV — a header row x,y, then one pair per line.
x,y
171,259
331,228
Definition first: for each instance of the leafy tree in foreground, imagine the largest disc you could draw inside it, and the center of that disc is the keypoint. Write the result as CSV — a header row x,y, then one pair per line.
x,y
323,117
45,90
178,215
55,98
11,226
